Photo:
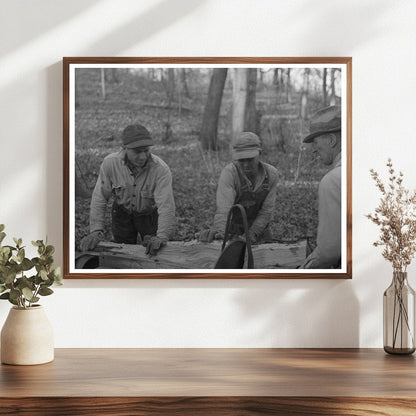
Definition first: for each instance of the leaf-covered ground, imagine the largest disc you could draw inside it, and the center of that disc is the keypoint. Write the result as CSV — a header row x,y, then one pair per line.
x,y
134,98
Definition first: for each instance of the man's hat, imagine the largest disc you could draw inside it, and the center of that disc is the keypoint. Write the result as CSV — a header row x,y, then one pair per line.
x,y
326,120
245,146
136,135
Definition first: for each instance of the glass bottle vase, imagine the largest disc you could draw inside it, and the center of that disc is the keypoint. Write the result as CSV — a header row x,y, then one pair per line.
x,y
399,316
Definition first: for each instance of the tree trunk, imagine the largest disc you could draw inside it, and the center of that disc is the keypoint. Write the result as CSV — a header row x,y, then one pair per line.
x,y
103,83
250,118
168,135
208,134
276,79
324,87
332,100
239,100
193,255
288,87
185,83
304,95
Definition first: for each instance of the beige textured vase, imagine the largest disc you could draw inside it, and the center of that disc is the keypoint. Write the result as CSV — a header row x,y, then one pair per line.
x,y
27,337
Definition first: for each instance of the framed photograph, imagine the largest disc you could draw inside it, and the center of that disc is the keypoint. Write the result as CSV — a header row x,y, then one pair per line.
x,y
207,167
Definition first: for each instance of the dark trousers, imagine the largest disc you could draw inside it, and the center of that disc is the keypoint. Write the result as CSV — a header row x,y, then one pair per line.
x,y
127,226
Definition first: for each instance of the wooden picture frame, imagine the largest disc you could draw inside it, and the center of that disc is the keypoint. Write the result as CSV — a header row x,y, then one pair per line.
x,y
102,95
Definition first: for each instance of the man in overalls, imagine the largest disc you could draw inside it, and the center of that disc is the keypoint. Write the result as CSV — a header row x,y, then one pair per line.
x,y
140,184
249,182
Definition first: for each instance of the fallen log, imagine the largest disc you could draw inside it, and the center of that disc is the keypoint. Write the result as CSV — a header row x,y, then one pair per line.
x,y
194,255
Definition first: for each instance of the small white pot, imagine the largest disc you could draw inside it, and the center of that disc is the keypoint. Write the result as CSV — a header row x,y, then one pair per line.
x,y
27,337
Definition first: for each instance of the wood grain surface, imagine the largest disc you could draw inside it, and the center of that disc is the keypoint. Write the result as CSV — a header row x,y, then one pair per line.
x,y
195,255
212,381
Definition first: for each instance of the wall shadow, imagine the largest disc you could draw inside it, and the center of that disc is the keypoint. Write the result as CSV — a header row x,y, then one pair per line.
x,y
302,314
45,16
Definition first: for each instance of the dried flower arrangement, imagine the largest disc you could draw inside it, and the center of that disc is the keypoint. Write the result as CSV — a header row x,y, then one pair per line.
x,y
396,216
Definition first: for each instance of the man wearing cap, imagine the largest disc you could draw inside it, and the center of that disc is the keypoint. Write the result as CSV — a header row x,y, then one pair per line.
x,y
325,136
140,184
249,182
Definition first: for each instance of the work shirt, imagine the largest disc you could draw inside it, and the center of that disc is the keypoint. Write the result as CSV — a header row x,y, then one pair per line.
x,y
229,187
141,192
327,253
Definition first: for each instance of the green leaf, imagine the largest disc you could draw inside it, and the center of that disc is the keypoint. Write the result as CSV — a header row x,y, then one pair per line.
x,y
27,293
56,276
2,236
15,294
5,295
26,264
24,282
18,242
21,254
13,301
8,277
2,288
45,291
47,260
2,227
37,243
43,274
5,250
49,250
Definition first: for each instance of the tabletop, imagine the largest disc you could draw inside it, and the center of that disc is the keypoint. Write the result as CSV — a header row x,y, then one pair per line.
x,y
203,381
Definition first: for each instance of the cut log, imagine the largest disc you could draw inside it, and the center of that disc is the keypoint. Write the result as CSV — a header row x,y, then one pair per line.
x,y
195,255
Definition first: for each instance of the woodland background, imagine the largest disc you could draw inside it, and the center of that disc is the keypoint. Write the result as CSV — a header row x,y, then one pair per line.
x,y
192,114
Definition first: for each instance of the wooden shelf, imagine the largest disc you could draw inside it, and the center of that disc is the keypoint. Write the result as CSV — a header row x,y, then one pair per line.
x,y
212,382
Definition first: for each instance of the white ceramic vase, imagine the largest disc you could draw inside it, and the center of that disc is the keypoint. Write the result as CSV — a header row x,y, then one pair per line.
x,y
27,337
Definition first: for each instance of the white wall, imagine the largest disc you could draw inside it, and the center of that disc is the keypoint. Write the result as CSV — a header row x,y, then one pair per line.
x,y
380,35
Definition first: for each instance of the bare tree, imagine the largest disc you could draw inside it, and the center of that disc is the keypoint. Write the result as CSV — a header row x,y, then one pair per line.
x,y
250,116
103,83
288,87
304,95
276,79
324,87
332,99
239,100
185,83
170,94
244,101
209,128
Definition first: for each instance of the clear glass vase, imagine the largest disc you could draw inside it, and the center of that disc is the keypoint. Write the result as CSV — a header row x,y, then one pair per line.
x,y
399,316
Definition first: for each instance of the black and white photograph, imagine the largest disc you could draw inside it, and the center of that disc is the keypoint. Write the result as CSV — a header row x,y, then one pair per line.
x,y
207,167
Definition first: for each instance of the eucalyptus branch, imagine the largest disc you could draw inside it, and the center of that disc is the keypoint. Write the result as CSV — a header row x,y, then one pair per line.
x,y
16,287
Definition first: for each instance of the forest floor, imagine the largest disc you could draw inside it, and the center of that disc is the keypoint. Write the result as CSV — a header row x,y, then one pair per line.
x,y
134,99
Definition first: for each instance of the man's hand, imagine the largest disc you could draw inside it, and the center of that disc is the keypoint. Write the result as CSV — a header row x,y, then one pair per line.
x,y
251,236
153,244
90,241
208,236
